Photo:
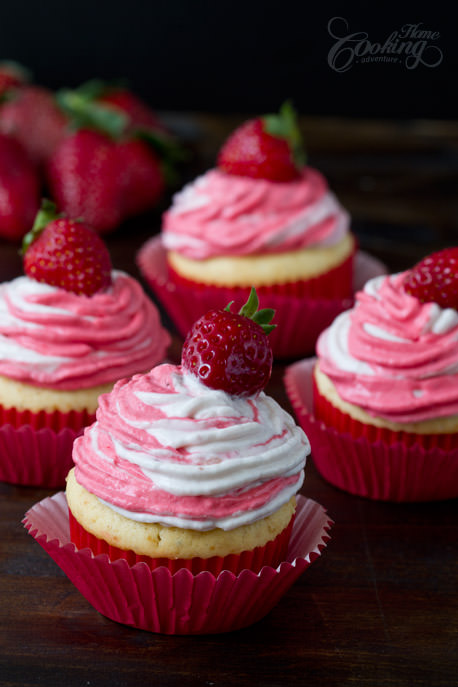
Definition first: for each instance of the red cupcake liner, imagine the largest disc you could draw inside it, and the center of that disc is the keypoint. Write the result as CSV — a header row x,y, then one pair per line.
x,y
270,554
300,317
38,452
333,417
55,420
336,283
373,468
179,603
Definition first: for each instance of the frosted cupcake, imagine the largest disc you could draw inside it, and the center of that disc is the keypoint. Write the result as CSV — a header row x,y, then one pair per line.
x,y
259,218
194,465
182,514
385,387
69,329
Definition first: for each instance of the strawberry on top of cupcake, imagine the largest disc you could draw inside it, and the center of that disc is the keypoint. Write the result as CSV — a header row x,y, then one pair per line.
x,y
193,461
392,361
72,321
260,217
69,328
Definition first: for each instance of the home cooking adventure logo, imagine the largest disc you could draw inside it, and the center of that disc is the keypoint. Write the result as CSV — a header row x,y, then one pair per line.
x,y
410,46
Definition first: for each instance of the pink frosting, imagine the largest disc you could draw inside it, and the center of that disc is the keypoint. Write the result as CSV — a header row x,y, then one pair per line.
x,y
60,340
223,214
393,356
166,448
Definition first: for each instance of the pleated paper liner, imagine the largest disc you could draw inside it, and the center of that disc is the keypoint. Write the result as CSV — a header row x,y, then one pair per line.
x,y
271,554
369,465
180,603
333,417
36,448
300,314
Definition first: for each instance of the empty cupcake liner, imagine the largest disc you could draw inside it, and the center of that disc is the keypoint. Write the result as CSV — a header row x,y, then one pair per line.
x,y
271,554
376,469
178,603
300,316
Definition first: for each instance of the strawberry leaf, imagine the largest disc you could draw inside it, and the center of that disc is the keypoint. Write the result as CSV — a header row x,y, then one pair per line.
x,y
46,214
285,125
85,113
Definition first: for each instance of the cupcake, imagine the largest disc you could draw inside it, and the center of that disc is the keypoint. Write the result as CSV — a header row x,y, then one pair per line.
x,y
261,218
69,328
385,387
192,465
182,515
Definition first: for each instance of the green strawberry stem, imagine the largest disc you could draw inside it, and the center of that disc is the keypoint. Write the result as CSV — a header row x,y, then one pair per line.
x,y
285,125
85,113
46,214
250,309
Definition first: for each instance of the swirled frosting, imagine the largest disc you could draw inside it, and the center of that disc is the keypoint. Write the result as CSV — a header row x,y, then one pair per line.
x,y
223,214
393,356
165,448
60,340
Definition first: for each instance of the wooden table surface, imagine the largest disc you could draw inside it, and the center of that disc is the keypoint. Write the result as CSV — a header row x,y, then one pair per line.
x,y
379,608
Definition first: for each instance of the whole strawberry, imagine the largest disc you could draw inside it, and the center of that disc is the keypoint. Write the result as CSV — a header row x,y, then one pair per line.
x,y
268,147
435,279
66,253
19,190
33,117
143,180
230,351
86,179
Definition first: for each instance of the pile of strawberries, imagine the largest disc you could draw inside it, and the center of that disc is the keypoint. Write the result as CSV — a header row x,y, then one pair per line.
x,y
98,151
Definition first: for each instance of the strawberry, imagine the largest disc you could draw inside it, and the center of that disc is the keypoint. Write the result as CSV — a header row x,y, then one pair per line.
x,y
143,176
85,179
19,189
91,98
92,176
66,253
231,351
12,75
435,279
267,147
33,117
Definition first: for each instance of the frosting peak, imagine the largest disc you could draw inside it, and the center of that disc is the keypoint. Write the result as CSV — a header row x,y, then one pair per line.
x,y
404,353
166,448
61,340
223,214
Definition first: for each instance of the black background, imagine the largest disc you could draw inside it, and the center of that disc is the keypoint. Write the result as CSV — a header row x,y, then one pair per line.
x,y
236,56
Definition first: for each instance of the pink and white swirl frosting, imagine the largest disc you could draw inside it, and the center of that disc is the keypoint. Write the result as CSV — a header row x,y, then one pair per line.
x,y
393,356
167,449
222,214
60,340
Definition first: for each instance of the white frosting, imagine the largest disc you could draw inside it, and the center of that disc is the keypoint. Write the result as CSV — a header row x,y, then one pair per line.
x,y
190,441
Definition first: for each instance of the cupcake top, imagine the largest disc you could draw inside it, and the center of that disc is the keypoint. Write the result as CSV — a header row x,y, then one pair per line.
x,y
225,214
166,448
58,339
394,355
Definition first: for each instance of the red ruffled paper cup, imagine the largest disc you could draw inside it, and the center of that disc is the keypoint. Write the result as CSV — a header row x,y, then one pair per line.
x,y
300,314
364,462
180,602
271,554
36,448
